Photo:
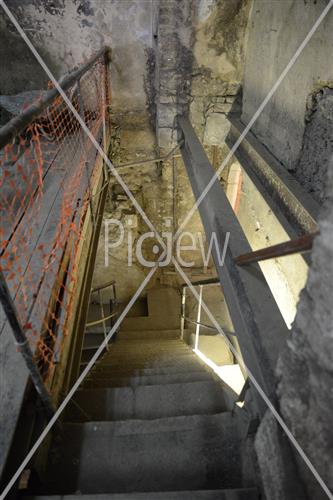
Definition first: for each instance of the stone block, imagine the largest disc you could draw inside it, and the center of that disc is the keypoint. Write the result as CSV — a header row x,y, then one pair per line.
x,y
216,130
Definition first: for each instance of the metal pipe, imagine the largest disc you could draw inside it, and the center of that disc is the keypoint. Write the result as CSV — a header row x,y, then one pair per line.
x,y
208,281
101,287
23,346
142,162
207,326
103,317
84,147
197,329
152,160
97,322
18,123
182,317
299,245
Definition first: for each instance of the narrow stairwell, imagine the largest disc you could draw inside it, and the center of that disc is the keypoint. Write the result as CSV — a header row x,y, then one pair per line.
x,y
151,421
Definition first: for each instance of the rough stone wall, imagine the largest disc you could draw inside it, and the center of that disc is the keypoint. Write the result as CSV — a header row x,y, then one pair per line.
x,y
220,40
199,65
305,373
306,367
317,148
174,61
19,69
69,31
297,127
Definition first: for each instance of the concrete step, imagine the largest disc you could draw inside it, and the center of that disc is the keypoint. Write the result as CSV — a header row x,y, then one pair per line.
x,y
145,353
148,335
92,339
165,368
87,354
136,345
136,362
142,358
234,494
169,454
151,343
129,381
147,401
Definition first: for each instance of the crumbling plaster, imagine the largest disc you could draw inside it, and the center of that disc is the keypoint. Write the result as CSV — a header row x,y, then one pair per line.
x,y
199,56
306,378
66,32
276,30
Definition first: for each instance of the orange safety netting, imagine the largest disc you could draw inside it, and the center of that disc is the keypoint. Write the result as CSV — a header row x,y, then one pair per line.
x,y
46,175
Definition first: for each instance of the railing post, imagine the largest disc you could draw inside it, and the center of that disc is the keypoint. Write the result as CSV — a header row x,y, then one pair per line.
x,y
102,316
197,329
84,147
182,318
23,346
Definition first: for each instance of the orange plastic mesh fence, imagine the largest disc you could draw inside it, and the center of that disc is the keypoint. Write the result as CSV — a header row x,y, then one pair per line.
x,y
45,182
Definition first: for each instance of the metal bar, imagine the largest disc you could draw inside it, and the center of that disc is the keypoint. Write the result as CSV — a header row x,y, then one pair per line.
x,y
97,322
203,325
152,160
114,302
302,244
208,281
101,287
197,328
73,364
257,321
114,292
102,316
296,209
182,317
84,147
18,123
24,348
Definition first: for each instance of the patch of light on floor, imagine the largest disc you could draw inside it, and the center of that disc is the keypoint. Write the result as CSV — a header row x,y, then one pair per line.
x,y
230,374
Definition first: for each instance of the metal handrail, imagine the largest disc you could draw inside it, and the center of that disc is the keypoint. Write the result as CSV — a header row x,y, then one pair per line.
x,y
183,318
98,288
18,123
24,347
208,281
210,327
102,320
113,302
8,132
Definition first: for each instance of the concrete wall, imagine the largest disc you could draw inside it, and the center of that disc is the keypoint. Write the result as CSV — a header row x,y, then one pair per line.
x,y
306,377
69,31
276,29
286,276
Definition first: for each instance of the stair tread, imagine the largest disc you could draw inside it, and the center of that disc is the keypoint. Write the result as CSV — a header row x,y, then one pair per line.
x,y
151,367
153,379
148,401
137,361
229,494
148,455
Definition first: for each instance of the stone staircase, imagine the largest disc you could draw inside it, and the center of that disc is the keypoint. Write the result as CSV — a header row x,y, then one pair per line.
x,y
151,421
